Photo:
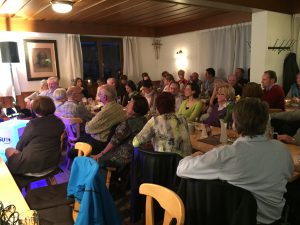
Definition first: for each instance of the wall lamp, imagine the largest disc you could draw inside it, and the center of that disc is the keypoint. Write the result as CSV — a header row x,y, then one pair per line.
x,y
60,6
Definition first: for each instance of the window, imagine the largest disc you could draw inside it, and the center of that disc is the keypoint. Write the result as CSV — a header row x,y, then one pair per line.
x,y
102,57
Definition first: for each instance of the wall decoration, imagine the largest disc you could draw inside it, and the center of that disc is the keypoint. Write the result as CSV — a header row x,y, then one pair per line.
x,y
41,59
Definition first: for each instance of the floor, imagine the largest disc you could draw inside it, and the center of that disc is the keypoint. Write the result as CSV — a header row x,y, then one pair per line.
x,y
122,202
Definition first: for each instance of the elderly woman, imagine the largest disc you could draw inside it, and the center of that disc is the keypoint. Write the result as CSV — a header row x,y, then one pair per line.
x,y
223,108
191,107
119,149
39,149
43,87
79,82
168,131
60,96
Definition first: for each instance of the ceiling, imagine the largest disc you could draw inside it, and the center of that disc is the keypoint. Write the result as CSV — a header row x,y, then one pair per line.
x,y
137,17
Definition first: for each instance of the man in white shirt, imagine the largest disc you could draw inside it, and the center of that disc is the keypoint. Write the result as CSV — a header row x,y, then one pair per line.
x,y
253,162
53,84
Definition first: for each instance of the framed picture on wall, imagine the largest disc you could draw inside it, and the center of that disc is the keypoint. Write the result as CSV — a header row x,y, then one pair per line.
x,y
41,59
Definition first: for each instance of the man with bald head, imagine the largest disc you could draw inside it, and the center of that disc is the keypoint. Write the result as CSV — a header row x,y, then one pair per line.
x,y
232,80
73,107
102,124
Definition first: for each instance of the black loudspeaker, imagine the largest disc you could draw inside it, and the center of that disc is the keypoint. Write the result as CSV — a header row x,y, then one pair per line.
x,y
9,52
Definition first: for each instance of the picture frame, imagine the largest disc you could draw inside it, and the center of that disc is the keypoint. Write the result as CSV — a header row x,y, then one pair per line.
x,y
41,59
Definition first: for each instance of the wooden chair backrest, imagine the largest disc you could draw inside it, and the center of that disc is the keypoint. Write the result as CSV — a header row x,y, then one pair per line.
x,y
274,110
84,149
168,200
70,124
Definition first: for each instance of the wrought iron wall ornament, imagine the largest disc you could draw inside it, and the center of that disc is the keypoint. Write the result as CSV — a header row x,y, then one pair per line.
x,y
156,44
282,45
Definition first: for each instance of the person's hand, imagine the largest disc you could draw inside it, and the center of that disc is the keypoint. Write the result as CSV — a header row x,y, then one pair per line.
x,y
197,153
285,138
97,157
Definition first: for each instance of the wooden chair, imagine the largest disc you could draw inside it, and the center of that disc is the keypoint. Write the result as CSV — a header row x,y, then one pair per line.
x,y
72,128
84,149
168,200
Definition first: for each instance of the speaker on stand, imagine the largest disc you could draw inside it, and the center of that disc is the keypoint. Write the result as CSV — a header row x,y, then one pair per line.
x,y
9,54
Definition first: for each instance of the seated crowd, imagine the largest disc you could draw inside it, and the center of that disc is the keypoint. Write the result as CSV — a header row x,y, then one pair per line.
x,y
143,115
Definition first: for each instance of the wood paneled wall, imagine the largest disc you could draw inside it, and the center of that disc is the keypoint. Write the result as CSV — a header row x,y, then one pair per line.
x,y
7,100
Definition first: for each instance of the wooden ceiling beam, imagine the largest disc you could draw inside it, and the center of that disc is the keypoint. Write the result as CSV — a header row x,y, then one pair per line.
x,y
283,6
14,24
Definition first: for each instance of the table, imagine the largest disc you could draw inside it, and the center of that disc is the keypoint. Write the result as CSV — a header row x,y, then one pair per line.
x,y
204,147
9,191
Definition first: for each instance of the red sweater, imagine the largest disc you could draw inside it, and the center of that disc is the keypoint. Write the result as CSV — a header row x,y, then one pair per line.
x,y
275,97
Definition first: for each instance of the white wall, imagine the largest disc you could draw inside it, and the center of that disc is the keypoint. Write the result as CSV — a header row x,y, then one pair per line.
x,y
18,37
187,42
266,28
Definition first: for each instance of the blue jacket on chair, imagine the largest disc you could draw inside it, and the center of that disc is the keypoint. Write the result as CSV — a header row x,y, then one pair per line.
x,y
87,186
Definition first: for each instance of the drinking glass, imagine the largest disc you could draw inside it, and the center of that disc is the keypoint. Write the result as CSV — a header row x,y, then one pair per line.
x,y
29,217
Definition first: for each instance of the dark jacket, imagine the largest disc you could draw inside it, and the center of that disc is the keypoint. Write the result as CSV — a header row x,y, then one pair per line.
x,y
40,146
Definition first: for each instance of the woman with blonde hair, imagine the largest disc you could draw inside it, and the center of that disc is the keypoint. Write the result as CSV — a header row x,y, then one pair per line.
x,y
224,106
33,96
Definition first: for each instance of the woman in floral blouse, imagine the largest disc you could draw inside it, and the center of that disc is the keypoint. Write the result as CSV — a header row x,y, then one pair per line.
x,y
118,151
168,131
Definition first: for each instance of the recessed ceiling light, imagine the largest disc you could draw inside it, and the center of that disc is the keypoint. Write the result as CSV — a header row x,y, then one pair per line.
x,y
62,6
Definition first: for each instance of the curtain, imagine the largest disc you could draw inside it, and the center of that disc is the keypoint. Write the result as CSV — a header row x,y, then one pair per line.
x,y
225,48
131,58
74,61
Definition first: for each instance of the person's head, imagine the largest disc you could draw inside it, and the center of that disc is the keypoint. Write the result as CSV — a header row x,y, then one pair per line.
x,y
225,93
194,76
168,79
101,82
74,93
42,58
250,116
253,90
164,73
147,86
298,79
107,93
130,87
174,88
165,103
52,83
44,85
78,82
145,76
111,81
239,73
268,79
60,95
210,73
137,105
43,106
181,74
191,89
123,79
232,80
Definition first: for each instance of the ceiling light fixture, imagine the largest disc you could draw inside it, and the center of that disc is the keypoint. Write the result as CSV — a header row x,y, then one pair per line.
x,y
62,6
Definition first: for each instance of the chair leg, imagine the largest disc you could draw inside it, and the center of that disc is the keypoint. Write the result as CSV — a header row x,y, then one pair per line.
x,y
108,176
51,180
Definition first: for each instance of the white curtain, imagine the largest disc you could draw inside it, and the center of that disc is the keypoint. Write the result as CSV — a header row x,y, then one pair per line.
x,y
131,58
225,48
74,62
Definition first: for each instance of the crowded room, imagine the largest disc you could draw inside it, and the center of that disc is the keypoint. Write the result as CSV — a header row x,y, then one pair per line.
x,y
148,112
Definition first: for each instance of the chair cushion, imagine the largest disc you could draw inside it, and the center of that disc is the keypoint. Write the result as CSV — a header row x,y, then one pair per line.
x,y
48,197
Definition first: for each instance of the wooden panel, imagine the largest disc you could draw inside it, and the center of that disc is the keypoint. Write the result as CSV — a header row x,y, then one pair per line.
x,y
7,100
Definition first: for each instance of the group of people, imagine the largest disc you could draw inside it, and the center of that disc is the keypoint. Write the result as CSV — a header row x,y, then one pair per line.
x,y
160,116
